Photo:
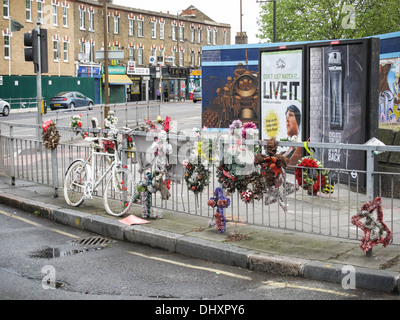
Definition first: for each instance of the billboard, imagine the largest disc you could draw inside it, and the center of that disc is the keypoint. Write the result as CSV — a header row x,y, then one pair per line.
x,y
282,97
230,87
341,101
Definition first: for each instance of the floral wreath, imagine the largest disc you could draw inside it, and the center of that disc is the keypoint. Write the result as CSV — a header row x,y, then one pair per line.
x,y
197,176
50,135
228,177
374,229
313,185
254,188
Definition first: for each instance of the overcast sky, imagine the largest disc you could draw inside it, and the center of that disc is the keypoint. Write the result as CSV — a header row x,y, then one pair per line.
x,y
226,11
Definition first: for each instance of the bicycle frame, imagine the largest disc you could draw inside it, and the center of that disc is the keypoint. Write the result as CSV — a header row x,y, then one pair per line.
x,y
91,164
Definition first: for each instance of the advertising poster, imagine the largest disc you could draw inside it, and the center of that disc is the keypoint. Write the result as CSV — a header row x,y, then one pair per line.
x,y
230,93
389,92
281,75
338,104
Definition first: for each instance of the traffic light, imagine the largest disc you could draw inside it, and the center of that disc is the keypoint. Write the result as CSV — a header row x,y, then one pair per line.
x,y
31,42
44,55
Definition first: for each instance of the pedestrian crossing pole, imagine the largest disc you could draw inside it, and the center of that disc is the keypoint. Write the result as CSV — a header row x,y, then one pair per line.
x,y
38,86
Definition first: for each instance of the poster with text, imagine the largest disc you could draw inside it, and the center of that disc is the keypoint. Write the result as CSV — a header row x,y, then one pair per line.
x,y
338,97
281,75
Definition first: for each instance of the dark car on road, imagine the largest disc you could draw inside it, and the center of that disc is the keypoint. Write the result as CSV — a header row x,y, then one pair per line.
x,y
70,100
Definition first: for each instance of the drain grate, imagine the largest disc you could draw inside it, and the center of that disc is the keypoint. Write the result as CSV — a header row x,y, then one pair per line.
x,y
92,241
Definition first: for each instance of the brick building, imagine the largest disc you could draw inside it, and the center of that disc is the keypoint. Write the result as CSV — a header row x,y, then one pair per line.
x,y
159,49
57,17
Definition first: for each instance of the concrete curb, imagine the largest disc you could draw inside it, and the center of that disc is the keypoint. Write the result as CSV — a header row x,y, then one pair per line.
x,y
223,253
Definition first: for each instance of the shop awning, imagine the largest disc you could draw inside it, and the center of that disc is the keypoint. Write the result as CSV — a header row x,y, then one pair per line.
x,y
118,79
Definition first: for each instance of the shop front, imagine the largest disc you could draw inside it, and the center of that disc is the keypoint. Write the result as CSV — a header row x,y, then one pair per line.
x,y
140,89
92,71
174,84
118,83
194,82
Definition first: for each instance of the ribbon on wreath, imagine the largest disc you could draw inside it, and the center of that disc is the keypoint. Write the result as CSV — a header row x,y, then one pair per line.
x,y
229,175
271,162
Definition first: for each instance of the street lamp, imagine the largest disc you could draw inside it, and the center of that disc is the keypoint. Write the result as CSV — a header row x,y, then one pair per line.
x,y
274,1
106,98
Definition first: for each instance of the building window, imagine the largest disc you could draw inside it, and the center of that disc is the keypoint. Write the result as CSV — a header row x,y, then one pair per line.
x,y
162,53
91,20
55,50
154,29
6,8
181,56
55,15
65,16
131,26
140,56
224,37
208,36
65,50
82,19
192,34
140,28
192,59
28,10
131,53
162,28
199,59
116,24
174,31
174,57
181,32
40,10
6,46
215,36
199,35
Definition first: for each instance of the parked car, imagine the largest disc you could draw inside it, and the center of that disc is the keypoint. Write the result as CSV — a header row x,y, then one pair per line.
x,y
4,108
70,100
197,94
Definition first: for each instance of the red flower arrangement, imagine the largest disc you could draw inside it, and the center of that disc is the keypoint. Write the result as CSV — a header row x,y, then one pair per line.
x,y
309,183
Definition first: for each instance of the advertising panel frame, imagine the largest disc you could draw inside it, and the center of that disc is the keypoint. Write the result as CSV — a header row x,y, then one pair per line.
x,y
276,119
358,59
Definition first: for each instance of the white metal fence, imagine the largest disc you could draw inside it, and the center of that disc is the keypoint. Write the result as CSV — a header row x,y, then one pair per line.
x,y
325,214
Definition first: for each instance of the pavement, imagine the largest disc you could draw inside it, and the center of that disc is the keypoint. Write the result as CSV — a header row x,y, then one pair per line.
x,y
282,252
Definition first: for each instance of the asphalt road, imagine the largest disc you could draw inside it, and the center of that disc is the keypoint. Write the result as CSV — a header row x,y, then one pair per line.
x,y
42,260
184,115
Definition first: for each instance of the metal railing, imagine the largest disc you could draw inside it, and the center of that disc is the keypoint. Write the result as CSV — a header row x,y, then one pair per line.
x,y
324,213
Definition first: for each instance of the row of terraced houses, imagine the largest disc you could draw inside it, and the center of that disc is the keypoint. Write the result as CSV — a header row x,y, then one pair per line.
x,y
160,49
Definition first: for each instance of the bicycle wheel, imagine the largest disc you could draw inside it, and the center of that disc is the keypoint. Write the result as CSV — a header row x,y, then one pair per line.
x,y
119,193
74,183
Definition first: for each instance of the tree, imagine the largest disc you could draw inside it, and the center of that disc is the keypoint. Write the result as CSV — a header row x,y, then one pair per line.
x,y
307,20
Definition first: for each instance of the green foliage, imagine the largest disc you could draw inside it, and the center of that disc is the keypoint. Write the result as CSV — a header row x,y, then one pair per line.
x,y
300,20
